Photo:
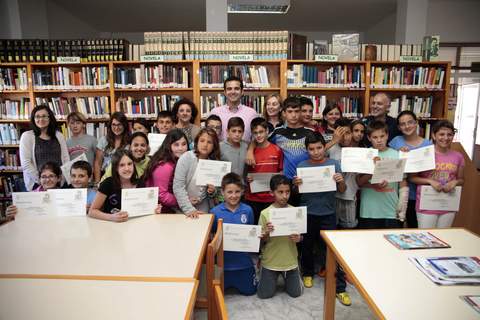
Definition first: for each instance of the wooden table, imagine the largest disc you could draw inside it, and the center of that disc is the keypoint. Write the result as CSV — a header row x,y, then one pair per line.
x,y
392,286
156,247
46,299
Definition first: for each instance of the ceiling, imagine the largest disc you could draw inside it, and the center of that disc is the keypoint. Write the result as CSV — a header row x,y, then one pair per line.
x,y
189,15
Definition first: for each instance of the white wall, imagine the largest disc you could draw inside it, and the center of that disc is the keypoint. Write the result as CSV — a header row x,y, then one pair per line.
x,y
383,31
63,24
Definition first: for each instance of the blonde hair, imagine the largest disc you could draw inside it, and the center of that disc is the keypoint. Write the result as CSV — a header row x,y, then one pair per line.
x,y
279,98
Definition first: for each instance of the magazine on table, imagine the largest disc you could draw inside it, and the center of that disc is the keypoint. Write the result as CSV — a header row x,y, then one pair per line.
x,y
416,240
456,267
473,301
432,271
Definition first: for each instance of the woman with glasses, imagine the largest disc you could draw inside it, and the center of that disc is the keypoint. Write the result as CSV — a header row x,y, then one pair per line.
x,y
409,140
44,143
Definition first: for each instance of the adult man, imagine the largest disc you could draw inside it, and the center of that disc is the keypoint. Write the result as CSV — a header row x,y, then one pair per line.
x,y
378,111
233,90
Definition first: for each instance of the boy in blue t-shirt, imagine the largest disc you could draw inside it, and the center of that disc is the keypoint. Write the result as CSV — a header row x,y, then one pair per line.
x,y
239,269
320,213
80,175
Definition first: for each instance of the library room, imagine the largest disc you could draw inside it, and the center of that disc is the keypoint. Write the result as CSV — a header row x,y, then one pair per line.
x,y
239,159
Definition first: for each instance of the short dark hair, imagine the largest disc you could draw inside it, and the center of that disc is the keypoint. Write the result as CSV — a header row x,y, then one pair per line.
x,y
138,134
291,102
443,124
165,114
408,113
343,122
235,122
212,117
376,125
52,166
258,121
232,78
83,165
278,180
314,137
232,178
188,102
305,101
142,122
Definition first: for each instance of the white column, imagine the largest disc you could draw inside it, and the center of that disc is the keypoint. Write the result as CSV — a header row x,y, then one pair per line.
x,y
216,15
411,21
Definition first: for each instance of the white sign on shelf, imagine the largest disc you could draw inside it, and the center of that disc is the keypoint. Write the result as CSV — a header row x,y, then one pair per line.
x,y
68,60
326,57
411,59
152,58
240,57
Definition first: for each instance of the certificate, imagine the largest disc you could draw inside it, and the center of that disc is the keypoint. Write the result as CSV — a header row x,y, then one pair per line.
x,y
358,160
32,203
261,182
211,172
241,237
390,170
68,165
68,202
155,141
317,179
430,199
418,160
287,221
139,201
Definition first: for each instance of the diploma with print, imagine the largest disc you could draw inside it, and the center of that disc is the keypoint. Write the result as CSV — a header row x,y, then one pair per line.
x,y
155,141
69,202
287,221
139,201
68,165
211,172
418,160
33,203
317,179
241,237
358,160
390,170
430,199
261,182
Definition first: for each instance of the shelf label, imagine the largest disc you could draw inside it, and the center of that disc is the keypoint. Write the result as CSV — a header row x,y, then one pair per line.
x,y
68,60
240,57
326,57
152,58
411,59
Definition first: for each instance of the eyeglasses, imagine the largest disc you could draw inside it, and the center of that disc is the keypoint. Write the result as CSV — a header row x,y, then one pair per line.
x,y
45,117
408,123
117,125
50,177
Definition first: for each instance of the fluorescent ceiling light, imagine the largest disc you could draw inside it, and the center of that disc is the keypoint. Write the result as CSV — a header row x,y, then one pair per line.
x,y
258,6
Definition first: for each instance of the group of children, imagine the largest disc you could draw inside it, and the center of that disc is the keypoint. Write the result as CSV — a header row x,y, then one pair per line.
x,y
292,140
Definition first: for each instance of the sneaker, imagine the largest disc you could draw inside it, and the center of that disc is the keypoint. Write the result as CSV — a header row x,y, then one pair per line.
x,y
344,298
308,282
322,273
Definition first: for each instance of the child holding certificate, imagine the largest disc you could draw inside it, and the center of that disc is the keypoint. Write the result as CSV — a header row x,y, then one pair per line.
x,y
409,140
80,174
192,198
321,213
239,269
383,205
233,148
447,175
279,254
161,168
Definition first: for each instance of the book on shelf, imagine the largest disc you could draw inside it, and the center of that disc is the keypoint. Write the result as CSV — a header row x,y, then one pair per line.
x,y
416,240
351,107
146,107
13,79
337,76
9,134
11,183
297,46
91,107
97,130
406,77
449,270
10,159
151,77
346,46
317,47
71,78
390,52
421,106
473,301
253,76
15,109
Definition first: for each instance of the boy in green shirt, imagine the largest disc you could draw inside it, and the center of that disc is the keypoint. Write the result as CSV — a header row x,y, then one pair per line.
x,y
279,254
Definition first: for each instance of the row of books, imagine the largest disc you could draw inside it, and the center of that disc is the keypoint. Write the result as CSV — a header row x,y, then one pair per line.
x,y
15,109
351,107
70,78
407,77
13,79
9,184
263,45
147,107
312,76
421,106
151,77
8,134
42,50
10,159
91,107
253,76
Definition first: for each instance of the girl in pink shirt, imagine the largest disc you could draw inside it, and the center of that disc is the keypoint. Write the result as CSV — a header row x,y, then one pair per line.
x,y
161,168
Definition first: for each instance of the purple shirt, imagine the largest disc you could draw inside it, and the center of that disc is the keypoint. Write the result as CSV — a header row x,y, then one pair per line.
x,y
246,113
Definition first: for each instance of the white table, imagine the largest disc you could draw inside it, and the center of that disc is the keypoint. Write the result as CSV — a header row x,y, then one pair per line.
x,y
42,299
156,246
392,286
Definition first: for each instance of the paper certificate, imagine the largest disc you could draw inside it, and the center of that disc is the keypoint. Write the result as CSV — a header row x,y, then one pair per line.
x,y
317,179
68,165
139,201
430,199
358,160
155,141
287,221
241,237
418,160
390,170
68,202
211,172
261,182
32,203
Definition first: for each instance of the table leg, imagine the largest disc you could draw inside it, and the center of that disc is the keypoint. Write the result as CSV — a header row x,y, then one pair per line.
x,y
330,286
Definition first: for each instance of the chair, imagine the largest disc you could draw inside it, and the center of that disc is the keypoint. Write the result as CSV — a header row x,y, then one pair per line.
x,y
221,309
214,270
